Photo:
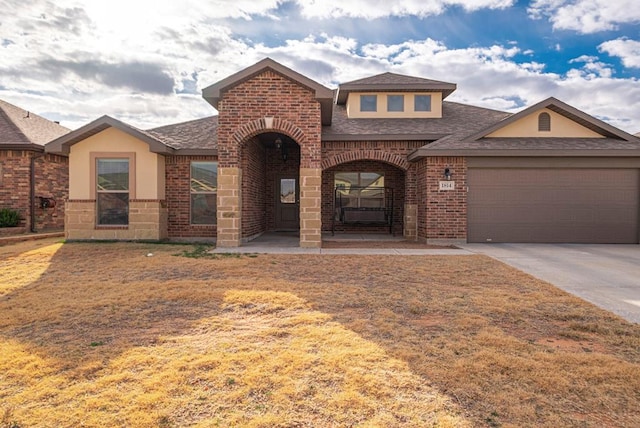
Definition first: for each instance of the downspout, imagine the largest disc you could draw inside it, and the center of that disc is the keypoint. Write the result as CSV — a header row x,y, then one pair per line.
x,y
32,191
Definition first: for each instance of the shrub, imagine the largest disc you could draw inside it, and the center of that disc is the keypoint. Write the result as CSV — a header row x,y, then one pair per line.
x,y
9,217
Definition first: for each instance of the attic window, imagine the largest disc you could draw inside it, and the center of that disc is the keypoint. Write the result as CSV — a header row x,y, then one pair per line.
x,y
395,102
422,103
544,122
368,103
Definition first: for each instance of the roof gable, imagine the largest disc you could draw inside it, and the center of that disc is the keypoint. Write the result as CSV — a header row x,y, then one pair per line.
x,y
62,145
21,128
214,93
392,82
583,119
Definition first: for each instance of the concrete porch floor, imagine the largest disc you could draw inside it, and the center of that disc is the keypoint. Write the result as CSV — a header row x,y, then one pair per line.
x,y
288,243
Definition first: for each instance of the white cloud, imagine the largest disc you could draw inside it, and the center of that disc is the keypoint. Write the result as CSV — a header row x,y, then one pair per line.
x,y
70,64
627,50
372,9
586,16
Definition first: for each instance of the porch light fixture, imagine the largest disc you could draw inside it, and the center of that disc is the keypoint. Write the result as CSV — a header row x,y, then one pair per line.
x,y
447,173
280,145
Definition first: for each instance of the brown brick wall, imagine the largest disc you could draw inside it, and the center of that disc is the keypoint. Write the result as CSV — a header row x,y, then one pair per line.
x,y
268,94
178,198
51,181
442,213
254,195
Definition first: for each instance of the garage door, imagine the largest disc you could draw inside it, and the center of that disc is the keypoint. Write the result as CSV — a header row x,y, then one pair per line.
x,y
553,205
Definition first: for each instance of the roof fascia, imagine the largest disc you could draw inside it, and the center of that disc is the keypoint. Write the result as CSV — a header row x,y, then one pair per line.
x,y
421,153
560,108
62,145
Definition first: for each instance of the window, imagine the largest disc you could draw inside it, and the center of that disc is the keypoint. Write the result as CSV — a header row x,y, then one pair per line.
x,y
368,103
204,188
360,189
395,102
422,103
112,191
544,122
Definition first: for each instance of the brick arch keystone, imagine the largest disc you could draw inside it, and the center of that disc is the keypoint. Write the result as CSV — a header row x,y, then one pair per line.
x,y
377,155
269,124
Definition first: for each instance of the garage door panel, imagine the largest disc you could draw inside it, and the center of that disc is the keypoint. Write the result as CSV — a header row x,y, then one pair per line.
x,y
553,205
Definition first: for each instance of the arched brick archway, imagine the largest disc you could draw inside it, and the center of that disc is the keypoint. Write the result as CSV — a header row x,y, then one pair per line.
x,y
269,124
375,155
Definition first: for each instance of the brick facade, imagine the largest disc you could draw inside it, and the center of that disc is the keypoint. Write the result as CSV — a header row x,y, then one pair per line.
x,y
442,213
267,103
51,173
178,198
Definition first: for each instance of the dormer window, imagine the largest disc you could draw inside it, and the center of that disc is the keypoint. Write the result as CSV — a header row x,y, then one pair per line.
x,y
395,103
422,103
369,103
544,122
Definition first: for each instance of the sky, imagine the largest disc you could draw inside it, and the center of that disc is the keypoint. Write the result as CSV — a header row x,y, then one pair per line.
x,y
146,61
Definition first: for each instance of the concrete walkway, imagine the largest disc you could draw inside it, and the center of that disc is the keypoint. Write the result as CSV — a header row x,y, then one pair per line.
x,y
605,275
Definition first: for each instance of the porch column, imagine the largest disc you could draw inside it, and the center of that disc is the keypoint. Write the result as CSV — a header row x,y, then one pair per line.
x,y
310,216
229,207
410,222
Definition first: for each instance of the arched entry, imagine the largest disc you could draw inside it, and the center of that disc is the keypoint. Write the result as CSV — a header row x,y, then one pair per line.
x,y
270,185
364,193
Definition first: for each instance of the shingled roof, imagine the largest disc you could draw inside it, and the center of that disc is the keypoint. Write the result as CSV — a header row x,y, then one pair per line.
x,y
392,82
198,134
457,119
615,142
21,129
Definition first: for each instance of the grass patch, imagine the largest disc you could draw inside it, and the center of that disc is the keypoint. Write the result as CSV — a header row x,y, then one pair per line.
x,y
203,251
104,335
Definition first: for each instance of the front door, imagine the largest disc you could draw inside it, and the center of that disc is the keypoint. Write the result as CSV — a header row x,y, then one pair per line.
x,y
287,203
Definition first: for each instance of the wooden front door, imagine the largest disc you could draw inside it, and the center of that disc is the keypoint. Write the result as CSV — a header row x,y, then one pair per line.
x,y
287,203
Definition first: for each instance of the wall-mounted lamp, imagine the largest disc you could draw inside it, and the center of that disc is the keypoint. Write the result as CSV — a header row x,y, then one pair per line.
x,y
282,146
447,173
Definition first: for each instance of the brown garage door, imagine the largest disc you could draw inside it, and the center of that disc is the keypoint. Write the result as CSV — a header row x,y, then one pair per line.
x,y
553,205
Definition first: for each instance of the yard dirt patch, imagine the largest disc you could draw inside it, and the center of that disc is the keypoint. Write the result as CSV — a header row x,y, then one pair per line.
x,y
129,334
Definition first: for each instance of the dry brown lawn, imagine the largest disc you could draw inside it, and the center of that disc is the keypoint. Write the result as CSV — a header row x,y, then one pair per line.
x,y
101,334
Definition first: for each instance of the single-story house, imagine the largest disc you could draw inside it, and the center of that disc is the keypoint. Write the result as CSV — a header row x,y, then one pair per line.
x,y
385,153
32,182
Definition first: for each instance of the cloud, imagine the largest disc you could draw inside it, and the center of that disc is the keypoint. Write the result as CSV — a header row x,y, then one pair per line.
x,y
627,50
372,9
586,16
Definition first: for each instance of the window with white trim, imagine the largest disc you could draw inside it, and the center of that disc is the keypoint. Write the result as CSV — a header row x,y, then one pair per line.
x,y
112,192
395,103
369,103
422,103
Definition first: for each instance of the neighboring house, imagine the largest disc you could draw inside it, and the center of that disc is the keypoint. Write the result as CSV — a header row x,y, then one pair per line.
x,y
32,182
380,154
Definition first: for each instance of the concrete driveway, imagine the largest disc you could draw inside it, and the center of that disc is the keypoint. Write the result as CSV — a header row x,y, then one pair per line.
x,y
605,275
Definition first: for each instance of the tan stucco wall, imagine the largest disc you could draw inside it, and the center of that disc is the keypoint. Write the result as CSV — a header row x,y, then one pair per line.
x,y
353,106
149,166
560,127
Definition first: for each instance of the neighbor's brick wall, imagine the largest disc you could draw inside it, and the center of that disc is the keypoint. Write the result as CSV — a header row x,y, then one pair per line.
x,y
269,94
442,213
51,180
178,198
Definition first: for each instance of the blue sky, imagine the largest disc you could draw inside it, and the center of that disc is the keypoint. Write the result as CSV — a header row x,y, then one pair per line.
x,y
145,62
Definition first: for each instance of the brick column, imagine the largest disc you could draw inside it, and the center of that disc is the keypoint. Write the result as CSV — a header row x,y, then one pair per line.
x,y
310,213
410,222
229,205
